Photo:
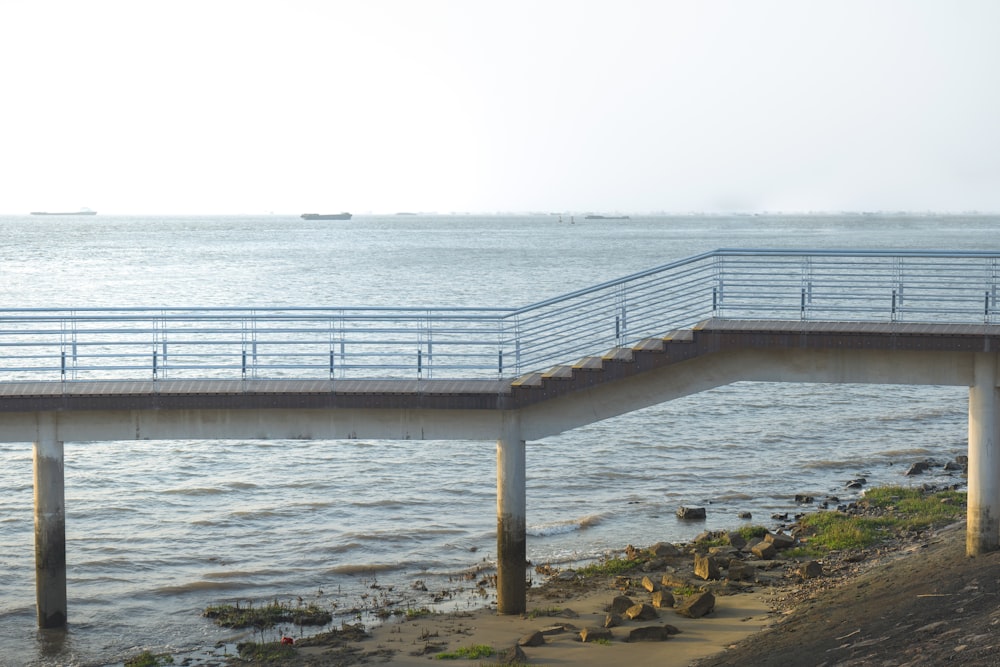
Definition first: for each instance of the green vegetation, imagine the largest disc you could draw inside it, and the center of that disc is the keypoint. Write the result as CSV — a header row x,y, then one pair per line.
x,y
894,509
467,653
750,532
412,613
545,611
602,642
267,616
148,659
683,591
609,567
265,652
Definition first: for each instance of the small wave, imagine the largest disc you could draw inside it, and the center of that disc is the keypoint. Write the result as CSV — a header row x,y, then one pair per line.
x,y
828,465
378,503
563,527
366,568
196,586
241,485
197,491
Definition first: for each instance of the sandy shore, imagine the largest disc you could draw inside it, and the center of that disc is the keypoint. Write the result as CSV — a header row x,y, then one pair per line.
x,y
735,617
919,601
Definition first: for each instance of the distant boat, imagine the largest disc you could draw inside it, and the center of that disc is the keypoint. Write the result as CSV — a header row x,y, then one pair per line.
x,y
326,216
606,217
83,211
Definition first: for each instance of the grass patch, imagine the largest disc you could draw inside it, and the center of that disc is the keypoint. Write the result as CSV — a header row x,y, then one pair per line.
x,y
266,616
148,659
265,652
545,611
609,567
414,613
902,509
602,642
467,653
750,532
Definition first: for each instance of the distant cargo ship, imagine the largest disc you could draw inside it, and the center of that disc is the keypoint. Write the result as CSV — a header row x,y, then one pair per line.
x,y
606,217
85,211
326,216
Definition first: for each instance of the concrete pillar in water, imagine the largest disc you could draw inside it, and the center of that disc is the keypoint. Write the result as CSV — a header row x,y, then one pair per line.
x,y
50,529
511,510
983,525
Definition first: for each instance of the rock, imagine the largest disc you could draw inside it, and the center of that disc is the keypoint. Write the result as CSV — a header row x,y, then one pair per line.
x,y
650,585
745,515
740,571
697,606
857,483
664,550
810,570
512,656
672,629
641,612
803,499
553,630
918,468
962,460
631,552
780,540
691,512
595,634
662,599
953,465
612,621
706,567
620,604
736,540
532,639
764,550
649,633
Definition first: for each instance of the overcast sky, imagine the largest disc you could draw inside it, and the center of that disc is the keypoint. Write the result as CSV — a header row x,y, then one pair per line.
x,y
246,106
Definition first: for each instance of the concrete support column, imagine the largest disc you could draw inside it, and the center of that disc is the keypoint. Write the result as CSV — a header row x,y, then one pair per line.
x,y
512,552
983,526
50,528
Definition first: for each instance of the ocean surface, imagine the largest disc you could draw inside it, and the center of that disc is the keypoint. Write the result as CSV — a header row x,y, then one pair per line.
x,y
157,531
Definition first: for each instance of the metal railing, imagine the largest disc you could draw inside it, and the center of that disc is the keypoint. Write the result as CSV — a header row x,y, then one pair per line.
x,y
206,343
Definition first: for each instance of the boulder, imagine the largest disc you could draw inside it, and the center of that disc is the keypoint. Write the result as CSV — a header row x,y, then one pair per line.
x,y
650,585
745,515
595,634
512,656
620,604
740,571
641,612
810,570
535,638
706,567
664,550
764,550
649,633
736,540
918,468
803,499
663,598
697,606
691,512
780,540
612,621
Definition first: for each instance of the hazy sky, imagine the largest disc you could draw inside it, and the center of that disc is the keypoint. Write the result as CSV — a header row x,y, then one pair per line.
x,y
245,106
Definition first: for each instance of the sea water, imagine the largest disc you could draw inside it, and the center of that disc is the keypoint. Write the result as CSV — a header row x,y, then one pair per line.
x,y
157,531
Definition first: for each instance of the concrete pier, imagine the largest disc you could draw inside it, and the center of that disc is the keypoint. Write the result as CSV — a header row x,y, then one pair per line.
x,y
50,529
511,510
983,529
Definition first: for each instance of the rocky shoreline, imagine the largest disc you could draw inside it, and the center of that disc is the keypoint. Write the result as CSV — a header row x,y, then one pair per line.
x,y
710,599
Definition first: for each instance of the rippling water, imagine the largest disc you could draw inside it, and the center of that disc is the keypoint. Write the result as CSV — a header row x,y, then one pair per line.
x,y
156,531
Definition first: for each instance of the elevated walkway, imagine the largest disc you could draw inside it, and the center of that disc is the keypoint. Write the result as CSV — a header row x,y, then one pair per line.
x,y
509,375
